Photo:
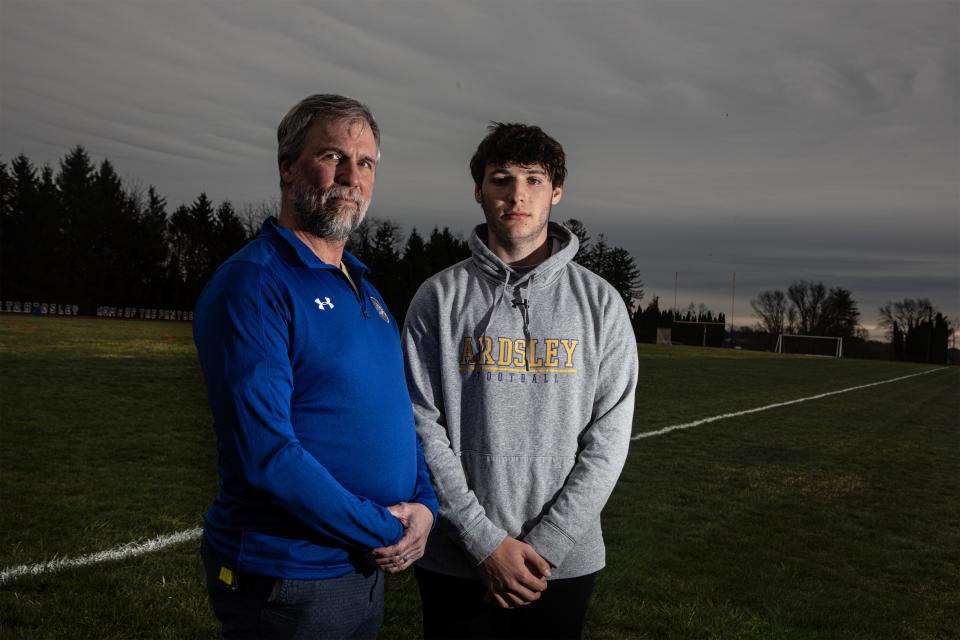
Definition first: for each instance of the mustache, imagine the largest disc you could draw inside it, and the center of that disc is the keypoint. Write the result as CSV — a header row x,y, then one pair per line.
x,y
338,192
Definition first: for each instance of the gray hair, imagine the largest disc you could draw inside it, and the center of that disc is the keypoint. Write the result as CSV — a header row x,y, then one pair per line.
x,y
292,131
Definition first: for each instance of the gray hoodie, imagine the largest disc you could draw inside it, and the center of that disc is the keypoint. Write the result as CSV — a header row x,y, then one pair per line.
x,y
523,388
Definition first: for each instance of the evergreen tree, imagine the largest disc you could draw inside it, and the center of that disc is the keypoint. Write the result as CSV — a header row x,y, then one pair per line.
x,y
578,229
444,249
152,251
645,322
17,237
613,264
179,231
841,317
899,352
620,270
111,252
939,339
200,259
229,234
30,232
79,257
412,264
359,241
413,270
927,340
383,259
48,272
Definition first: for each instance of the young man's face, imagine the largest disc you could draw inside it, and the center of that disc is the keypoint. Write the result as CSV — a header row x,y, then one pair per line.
x,y
516,201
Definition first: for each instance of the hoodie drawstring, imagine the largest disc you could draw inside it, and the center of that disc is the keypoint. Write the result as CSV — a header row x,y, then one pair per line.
x,y
497,299
523,304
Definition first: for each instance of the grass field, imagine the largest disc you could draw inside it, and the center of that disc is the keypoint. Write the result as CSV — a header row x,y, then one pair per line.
x,y
834,518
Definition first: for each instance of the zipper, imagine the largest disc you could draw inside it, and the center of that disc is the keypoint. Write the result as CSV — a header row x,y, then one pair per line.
x,y
358,292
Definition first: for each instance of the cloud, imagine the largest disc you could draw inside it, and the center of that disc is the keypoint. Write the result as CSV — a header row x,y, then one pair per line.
x,y
696,132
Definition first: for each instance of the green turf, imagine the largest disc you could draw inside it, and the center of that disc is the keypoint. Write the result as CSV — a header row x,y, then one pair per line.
x,y
835,518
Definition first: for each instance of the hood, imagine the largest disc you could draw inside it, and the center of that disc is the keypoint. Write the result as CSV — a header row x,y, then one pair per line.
x,y
565,247
523,286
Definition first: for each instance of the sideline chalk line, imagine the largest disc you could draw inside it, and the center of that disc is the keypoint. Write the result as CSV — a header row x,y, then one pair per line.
x,y
132,549
697,423
128,550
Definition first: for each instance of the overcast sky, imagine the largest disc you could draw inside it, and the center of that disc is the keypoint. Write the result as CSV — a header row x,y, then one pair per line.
x,y
777,140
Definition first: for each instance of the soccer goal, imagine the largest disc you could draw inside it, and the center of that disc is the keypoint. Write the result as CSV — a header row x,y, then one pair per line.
x,y
829,346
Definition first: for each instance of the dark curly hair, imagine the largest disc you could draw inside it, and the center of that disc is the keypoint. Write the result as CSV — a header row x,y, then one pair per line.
x,y
523,144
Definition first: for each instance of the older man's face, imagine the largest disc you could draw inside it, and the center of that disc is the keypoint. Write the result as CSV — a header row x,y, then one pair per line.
x,y
330,185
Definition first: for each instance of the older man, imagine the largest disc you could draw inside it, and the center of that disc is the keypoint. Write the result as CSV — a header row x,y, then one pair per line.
x,y
319,485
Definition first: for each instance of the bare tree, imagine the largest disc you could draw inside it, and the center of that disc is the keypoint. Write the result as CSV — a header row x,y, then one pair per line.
x,y
771,308
253,215
809,300
907,313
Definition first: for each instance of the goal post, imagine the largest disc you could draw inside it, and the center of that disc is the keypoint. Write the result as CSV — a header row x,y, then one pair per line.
x,y
664,335
829,346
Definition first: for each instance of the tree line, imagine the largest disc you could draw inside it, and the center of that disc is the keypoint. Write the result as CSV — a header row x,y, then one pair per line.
x,y
809,308
79,235
398,267
917,331
696,325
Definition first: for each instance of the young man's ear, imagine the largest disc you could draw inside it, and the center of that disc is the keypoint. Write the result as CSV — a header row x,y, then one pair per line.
x,y
557,194
477,196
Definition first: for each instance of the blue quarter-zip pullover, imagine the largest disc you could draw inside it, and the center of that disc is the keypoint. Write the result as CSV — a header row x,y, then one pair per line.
x,y
314,424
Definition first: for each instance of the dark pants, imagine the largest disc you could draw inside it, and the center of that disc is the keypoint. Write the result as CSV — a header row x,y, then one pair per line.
x,y
455,608
350,606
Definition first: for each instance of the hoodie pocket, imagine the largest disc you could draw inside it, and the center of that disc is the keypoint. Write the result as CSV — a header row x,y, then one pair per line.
x,y
515,491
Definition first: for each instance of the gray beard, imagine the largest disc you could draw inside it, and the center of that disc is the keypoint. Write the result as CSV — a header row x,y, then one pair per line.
x,y
317,216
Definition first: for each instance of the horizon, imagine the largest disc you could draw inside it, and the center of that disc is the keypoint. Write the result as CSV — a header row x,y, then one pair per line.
x,y
780,142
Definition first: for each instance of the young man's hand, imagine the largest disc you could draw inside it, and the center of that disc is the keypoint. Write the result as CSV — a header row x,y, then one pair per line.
x,y
417,521
514,573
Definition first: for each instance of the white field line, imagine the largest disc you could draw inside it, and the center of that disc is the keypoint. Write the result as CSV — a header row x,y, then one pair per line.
x,y
132,549
697,423
127,550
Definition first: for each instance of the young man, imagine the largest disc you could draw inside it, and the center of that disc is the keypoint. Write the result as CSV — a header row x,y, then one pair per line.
x,y
522,367
291,338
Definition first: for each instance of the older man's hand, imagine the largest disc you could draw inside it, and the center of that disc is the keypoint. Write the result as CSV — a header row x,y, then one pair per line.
x,y
417,521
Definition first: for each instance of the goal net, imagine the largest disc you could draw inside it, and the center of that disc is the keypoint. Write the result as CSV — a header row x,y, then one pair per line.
x,y
829,346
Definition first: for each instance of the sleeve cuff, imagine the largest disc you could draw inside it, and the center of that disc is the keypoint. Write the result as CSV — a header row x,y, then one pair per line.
x,y
480,541
550,542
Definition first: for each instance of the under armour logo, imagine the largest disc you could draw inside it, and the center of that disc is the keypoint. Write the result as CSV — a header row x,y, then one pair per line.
x,y
322,304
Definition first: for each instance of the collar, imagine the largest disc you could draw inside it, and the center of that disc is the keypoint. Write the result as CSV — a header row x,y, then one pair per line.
x,y
565,246
302,252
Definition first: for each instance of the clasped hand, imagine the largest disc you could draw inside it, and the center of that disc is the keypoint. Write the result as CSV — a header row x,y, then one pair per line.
x,y
417,521
515,574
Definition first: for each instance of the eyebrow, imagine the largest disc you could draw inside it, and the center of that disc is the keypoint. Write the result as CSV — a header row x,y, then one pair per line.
x,y
523,171
343,153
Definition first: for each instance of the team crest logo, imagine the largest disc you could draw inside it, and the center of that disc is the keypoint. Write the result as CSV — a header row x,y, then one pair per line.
x,y
383,314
